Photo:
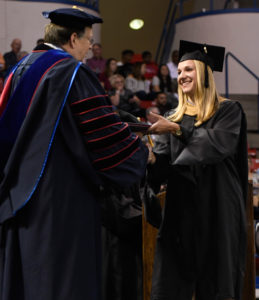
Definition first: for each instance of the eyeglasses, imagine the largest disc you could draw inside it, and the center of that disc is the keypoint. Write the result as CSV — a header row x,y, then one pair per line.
x,y
121,81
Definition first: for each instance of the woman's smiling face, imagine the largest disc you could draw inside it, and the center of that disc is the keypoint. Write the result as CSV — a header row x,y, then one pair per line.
x,y
187,77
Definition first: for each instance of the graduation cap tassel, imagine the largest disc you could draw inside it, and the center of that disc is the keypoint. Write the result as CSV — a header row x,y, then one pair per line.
x,y
206,83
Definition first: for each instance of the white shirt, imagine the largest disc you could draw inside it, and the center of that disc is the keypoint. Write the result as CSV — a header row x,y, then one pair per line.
x,y
173,69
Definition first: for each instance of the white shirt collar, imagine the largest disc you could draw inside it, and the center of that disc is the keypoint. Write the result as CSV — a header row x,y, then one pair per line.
x,y
53,46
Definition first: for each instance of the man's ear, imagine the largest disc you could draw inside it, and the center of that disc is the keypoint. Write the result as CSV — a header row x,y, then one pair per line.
x,y
73,39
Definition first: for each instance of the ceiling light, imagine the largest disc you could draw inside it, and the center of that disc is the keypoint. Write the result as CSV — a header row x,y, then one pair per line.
x,y
136,24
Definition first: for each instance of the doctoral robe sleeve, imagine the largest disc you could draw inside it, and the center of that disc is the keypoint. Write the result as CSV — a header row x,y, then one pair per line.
x,y
116,153
212,145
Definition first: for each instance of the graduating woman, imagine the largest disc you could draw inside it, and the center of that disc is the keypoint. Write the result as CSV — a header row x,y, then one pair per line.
x,y
200,251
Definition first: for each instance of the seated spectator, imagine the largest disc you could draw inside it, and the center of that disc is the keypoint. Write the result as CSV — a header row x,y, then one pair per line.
x,y
2,67
39,42
110,69
151,66
97,62
136,81
162,103
163,83
122,98
149,117
125,66
11,57
173,64
2,63
137,57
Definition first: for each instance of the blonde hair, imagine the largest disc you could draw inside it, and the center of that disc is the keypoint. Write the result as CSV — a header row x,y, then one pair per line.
x,y
59,35
206,99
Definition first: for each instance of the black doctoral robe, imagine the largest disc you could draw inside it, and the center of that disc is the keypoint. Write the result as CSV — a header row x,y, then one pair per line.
x,y
69,143
202,239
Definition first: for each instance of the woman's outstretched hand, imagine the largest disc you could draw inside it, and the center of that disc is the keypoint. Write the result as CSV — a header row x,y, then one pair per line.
x,y
162,125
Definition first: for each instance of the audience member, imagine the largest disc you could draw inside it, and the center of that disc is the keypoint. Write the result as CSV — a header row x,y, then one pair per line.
x,y
21,55
2,67
162,82
162,103
231,4
97,62
1,84
151,66
2,63
136,81
123,98
125,66
110,69
11,57
157,141
39,42
173,64
149,117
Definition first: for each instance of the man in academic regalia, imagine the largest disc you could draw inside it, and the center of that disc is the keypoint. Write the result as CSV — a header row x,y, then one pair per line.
x,y
60,142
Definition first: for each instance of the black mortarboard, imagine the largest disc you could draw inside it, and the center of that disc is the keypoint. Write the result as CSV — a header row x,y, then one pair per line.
x,y
210,55
71,18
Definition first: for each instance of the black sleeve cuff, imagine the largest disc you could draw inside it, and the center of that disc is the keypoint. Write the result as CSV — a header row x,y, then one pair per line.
x,y
186,134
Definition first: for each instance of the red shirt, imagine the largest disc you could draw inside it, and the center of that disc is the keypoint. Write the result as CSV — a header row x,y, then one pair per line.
x,y
151,70
96,64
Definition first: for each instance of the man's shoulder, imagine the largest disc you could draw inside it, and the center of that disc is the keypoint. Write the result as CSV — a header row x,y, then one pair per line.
x,y
86,76
86,69
8,54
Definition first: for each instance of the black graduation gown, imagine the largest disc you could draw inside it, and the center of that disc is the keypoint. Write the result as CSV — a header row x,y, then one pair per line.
x,y
50,244
202,239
